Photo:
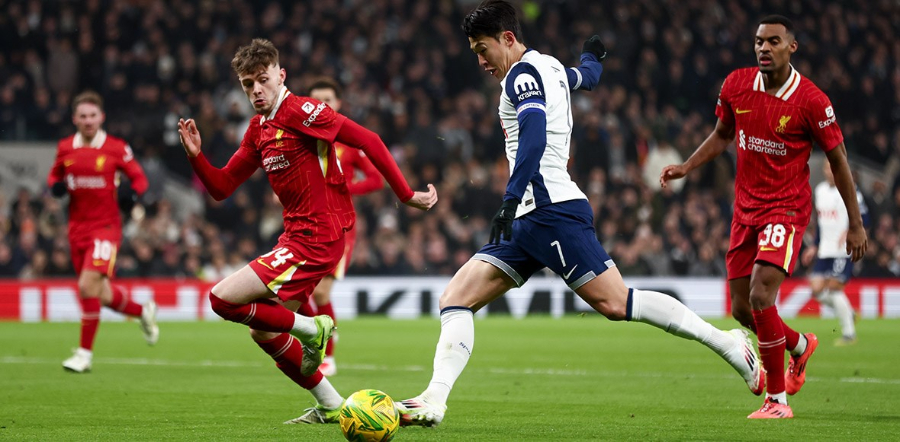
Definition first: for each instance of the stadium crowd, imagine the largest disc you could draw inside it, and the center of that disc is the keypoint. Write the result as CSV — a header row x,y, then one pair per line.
x,y
408,75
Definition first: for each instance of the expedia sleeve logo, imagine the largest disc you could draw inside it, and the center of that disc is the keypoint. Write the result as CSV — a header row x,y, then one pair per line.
x,y
307,107
312,117
526,87
829,118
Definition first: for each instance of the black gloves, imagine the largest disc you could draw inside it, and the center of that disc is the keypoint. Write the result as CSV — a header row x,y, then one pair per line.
x,y
503,221
127,198
59,189
595,46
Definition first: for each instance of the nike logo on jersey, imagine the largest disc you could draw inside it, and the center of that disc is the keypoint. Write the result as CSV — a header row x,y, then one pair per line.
x,y
567,275
742,111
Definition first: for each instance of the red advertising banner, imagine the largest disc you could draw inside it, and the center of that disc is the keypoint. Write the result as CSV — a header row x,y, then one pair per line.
x,y
872,298
413,297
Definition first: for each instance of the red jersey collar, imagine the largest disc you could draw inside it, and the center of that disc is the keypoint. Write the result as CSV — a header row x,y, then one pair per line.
x,y
787,89
98,140
282,94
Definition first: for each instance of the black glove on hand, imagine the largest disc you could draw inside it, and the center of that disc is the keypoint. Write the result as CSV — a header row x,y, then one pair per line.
x,y
59,189
595,46
503,221
127,198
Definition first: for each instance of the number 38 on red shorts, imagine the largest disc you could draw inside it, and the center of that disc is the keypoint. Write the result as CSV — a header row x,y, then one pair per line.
x,y
774,243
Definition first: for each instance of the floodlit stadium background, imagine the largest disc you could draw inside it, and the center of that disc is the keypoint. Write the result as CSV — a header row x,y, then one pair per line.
x,y
408,75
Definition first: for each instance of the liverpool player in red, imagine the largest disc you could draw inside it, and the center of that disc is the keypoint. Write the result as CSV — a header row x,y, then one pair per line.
x,y
776,114
292,138
86,167
352,160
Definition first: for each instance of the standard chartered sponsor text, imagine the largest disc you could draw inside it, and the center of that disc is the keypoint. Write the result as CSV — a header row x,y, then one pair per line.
x,y
770,147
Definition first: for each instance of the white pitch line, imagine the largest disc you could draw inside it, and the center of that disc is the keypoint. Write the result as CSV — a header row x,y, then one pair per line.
x,y
417,368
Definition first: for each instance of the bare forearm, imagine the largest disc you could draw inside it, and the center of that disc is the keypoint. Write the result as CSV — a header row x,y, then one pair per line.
x,y
712,147
843,180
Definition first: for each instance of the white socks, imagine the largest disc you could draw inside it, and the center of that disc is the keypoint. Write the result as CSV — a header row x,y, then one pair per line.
x,y
781,398
837,300
665,312
304,327
326,395
452,354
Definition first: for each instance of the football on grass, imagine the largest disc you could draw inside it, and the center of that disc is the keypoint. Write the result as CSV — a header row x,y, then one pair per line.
x,y
369,416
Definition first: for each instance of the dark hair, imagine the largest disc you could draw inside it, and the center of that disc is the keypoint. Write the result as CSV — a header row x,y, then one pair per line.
x,y
491,18
87,97
779,20
326,83
259,54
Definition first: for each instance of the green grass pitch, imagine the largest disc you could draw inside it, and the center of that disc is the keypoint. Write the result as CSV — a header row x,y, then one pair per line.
x,y
543,379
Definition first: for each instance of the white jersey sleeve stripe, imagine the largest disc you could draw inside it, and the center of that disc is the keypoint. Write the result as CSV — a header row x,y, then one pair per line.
x,y
578,76
525,106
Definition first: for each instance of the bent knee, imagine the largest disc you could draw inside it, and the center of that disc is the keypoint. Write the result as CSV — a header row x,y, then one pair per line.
x,y
612,310
90,287
262,336
450,299
226,310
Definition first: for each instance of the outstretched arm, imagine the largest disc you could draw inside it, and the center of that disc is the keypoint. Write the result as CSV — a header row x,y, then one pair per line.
x,y
712,147
587,76
372,180
356,136
843,180
220,183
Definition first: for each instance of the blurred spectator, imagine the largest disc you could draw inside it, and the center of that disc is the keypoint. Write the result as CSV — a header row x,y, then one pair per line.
x,y
409,75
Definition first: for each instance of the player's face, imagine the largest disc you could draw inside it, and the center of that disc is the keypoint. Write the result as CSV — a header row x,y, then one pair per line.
x,y
494,54
774,46
262,87
87,119
327,96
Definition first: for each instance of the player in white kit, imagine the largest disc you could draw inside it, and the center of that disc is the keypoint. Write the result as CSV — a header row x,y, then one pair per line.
x,y
545,220
833,267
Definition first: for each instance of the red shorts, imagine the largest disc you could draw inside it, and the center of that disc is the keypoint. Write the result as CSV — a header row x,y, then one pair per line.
x,y
774,243
293,269
96,252
349,241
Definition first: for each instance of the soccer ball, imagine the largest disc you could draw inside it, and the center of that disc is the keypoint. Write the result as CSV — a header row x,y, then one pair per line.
x,y
369,416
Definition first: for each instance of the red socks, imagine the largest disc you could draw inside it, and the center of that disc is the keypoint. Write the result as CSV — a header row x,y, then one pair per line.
x,y
288,353
122,304
90,320
771,335
328,309
262,314
307,309
791,337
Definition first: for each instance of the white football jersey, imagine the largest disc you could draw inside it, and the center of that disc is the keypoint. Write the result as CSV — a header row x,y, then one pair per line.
x,y
833,220
538,75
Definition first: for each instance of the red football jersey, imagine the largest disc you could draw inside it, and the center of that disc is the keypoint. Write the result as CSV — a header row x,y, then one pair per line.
x,y
774,135
353,160
294,144
90,172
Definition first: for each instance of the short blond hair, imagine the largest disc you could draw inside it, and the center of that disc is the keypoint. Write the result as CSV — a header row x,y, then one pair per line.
x,y
259,54
87,97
